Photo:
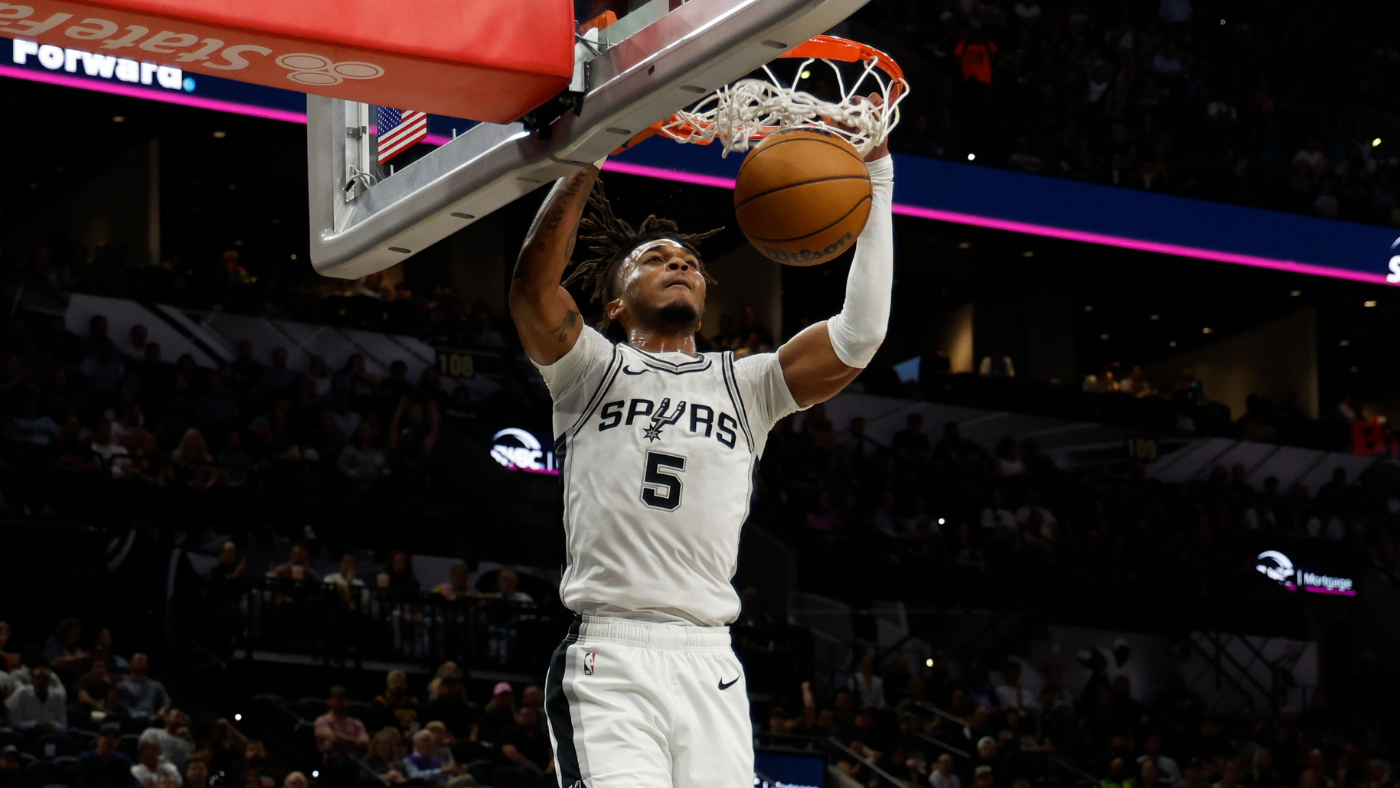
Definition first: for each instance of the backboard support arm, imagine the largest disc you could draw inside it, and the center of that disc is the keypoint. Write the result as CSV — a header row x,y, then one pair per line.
x,y
360,226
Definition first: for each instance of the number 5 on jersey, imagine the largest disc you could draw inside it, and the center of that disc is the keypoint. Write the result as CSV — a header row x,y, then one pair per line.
x,y
661,487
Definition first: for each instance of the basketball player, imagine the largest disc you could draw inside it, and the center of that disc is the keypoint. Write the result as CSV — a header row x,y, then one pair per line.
x,y
659,445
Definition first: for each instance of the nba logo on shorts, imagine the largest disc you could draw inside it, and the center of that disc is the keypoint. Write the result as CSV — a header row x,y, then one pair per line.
x,y
588,658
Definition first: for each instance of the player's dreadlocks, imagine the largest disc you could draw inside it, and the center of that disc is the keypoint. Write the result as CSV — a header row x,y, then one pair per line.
x,y
611,239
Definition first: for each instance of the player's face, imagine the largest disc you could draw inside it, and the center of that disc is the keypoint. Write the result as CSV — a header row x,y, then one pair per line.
x,y
662,286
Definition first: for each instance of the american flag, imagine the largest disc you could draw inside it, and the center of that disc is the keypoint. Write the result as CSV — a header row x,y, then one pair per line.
x,y
398,130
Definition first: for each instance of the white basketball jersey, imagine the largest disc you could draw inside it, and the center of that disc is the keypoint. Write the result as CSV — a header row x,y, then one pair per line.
x,y
658,452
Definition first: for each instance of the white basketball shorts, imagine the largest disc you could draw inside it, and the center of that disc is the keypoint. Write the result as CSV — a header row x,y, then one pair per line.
x,y
632,704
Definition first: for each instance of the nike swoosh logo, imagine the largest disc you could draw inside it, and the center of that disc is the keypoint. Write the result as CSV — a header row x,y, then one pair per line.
x,y
628,371
725,686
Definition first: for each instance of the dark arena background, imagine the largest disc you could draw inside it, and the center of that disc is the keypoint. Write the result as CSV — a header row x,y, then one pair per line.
x,y
1116,506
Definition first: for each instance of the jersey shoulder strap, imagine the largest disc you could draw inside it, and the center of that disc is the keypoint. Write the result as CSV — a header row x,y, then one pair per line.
x,y
731,384
604,383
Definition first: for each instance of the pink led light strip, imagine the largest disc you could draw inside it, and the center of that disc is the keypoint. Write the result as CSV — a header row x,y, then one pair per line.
x,y
625,168
170,97
1039,229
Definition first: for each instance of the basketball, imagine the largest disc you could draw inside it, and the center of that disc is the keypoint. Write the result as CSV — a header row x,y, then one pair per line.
x,y
803,196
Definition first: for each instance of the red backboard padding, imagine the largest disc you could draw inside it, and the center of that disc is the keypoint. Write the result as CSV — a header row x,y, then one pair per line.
x,y
491,60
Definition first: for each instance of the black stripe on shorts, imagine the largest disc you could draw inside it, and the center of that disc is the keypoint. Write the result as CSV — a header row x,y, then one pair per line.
x,y
556,708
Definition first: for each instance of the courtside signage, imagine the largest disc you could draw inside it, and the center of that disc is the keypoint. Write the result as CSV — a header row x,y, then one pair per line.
x,y
270,43
97,65
519,450
1283,570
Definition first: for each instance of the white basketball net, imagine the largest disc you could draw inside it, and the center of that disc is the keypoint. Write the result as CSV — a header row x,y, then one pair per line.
x,y
752,109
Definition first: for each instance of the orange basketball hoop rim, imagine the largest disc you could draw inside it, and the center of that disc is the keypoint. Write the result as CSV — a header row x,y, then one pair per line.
x,y
752,109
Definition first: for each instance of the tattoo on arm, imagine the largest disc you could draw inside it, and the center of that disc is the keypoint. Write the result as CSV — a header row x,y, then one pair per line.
x,y
567,324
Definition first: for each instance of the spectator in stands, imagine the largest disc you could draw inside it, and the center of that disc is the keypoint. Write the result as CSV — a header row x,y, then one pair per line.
x,y
975,55
481,334
9,660
233,272
362,460
1325,525
230,566
280,376
817,427
245,368
1136,384
1008,464
952,450
396,707
36,707
400,572
345,581
422,764
63,653
858,445
413,434
104,368
1168,772
1033,507
997,365
451,707
296,566
128,427
997,521
911,444
93,689
97,334
175,740
383,757
868,687
296,780
528,750
499,713
319,375
508,588
1259,517
217,406
224,746
338,735
1011,694
135,347
443,740
105,766
196,773
986,759
942,776
444,670
194,465
354,380
34,427
10,776
459,586
65,347
151,770
1117,776
113,454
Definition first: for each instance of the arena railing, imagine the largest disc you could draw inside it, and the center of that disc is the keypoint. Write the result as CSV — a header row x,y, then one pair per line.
x,y
284,620
884,776
1051,758
828,746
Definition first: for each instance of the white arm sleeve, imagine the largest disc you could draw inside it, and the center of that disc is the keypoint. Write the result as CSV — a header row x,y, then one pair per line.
x,y
763,390
858,329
